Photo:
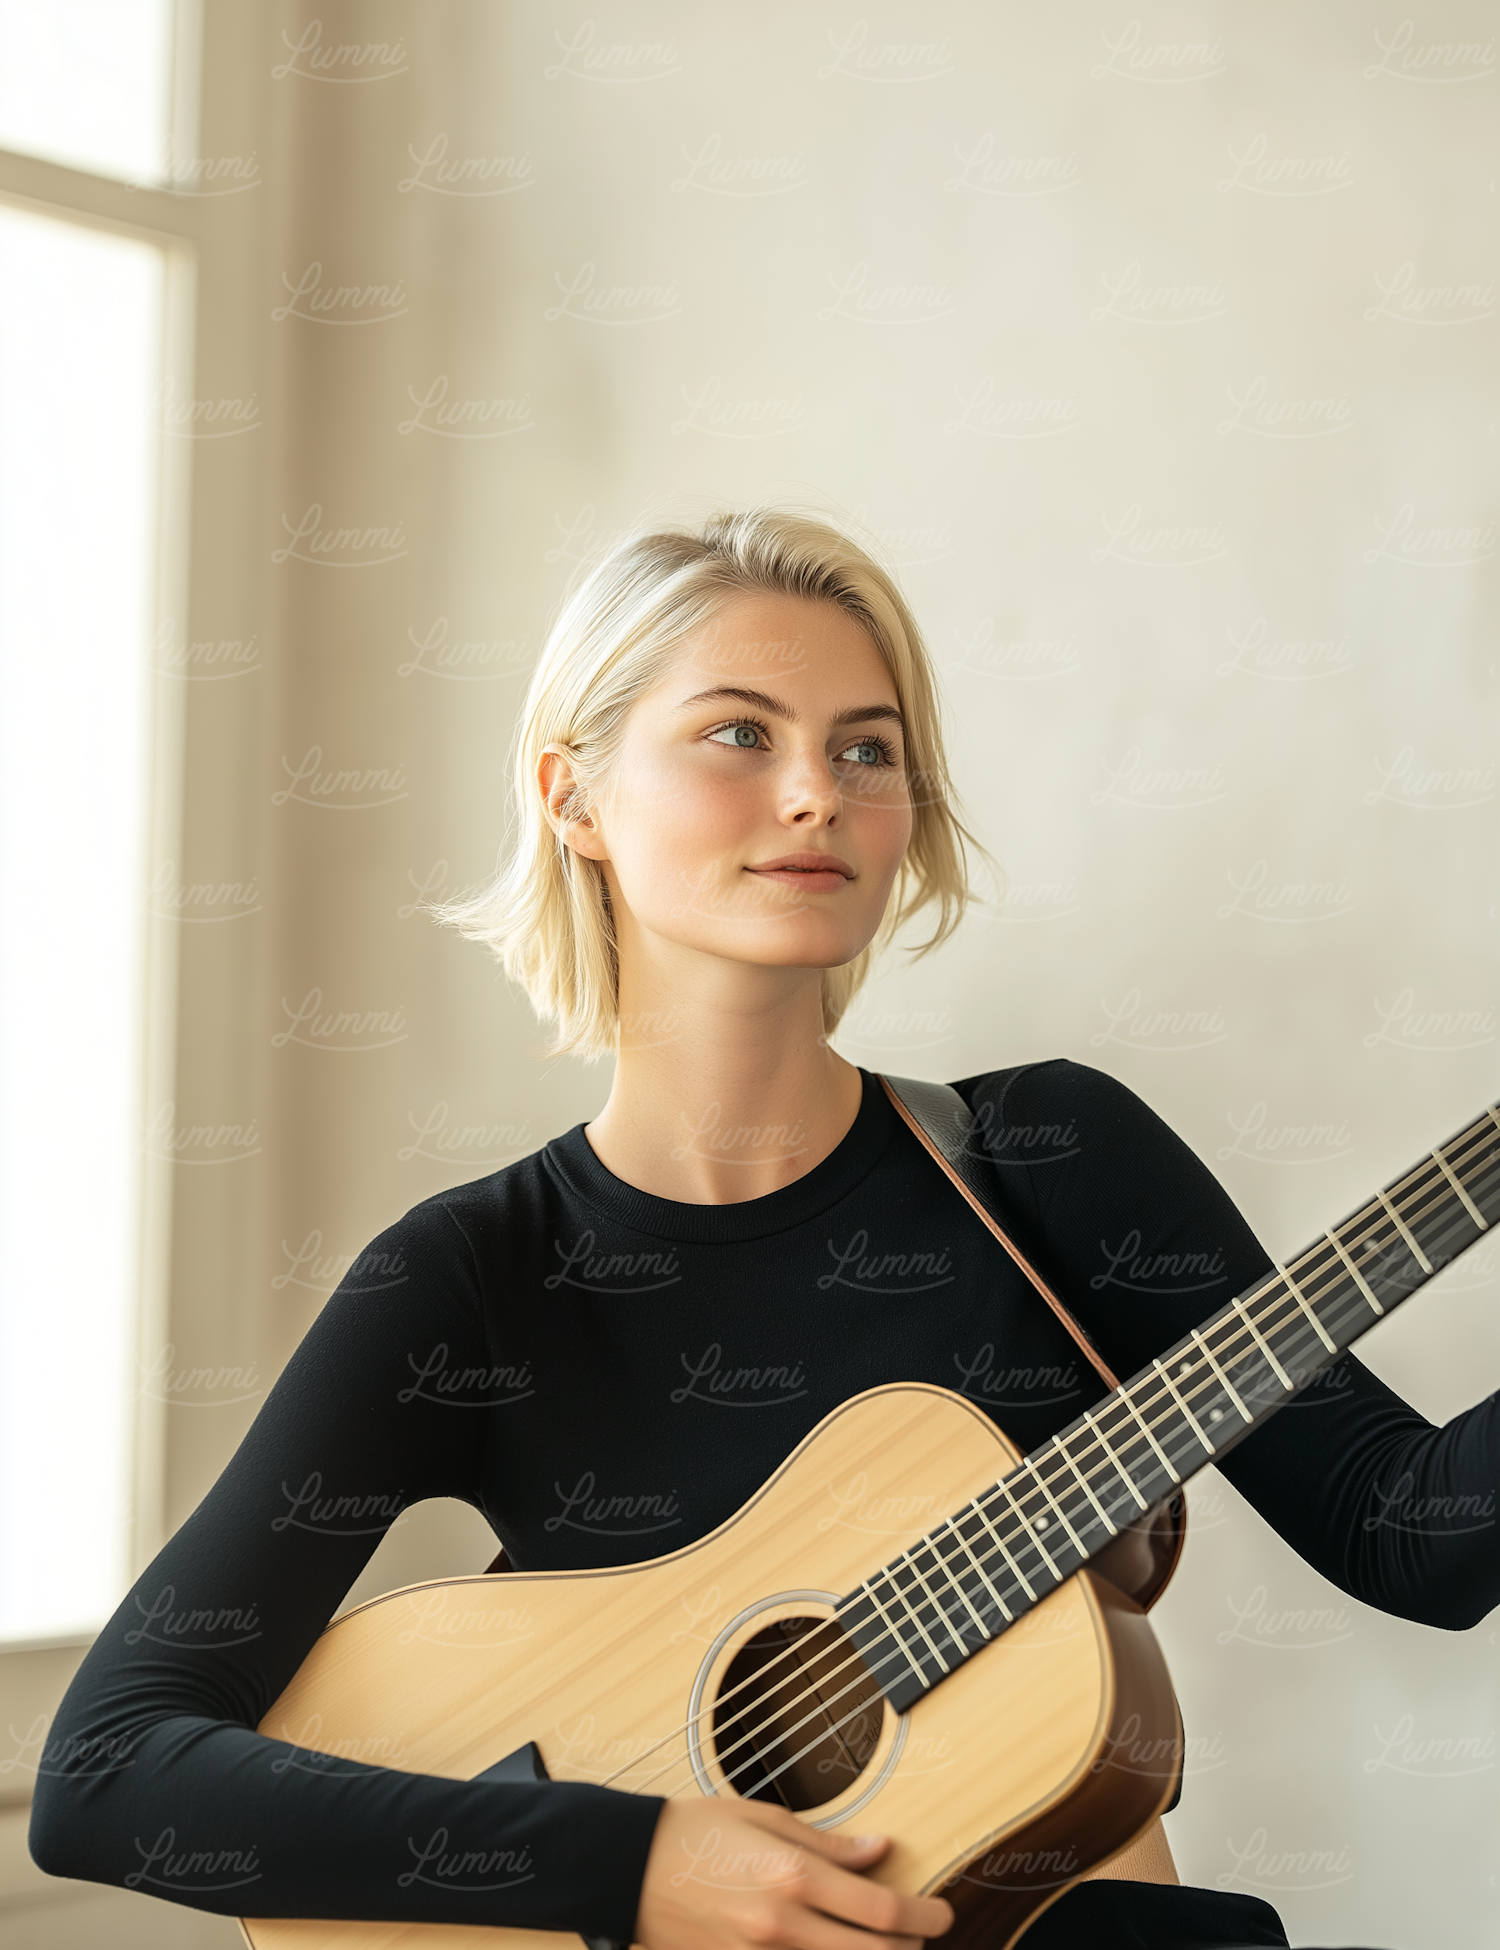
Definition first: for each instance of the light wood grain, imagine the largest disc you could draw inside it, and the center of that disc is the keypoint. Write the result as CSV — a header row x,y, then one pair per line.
x,y
598,1667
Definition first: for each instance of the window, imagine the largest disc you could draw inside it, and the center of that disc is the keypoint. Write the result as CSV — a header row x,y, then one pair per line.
x,y
91,341
89,83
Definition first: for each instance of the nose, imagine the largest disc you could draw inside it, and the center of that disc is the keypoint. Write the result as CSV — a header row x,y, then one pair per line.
x,y
812,796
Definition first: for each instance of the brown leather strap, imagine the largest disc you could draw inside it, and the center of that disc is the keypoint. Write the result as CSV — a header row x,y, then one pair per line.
x,y
987,1218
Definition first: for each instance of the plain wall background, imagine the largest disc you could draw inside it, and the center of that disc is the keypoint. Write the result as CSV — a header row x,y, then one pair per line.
x,y
1154,348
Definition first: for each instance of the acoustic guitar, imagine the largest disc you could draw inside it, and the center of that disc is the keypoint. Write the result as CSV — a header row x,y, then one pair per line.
x,y
900,1626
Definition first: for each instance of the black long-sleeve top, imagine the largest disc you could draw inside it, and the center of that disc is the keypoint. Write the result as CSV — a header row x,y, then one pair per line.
x,y
564,1352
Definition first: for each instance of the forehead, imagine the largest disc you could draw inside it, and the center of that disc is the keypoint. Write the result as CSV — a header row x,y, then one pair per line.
x,y
763,636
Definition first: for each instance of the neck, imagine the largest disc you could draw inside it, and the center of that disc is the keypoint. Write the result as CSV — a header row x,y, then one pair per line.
x,y
725,1088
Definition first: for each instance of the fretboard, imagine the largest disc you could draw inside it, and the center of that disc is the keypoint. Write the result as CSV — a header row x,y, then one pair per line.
x,y
970,1578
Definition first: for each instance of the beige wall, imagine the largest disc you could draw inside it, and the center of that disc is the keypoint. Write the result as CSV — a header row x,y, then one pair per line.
x,y
1156,351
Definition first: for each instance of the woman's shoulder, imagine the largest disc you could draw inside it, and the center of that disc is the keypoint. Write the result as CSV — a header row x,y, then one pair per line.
x,y
1050,1089
1081,1123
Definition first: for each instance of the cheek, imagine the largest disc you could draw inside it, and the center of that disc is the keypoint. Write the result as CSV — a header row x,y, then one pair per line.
x,y
676,813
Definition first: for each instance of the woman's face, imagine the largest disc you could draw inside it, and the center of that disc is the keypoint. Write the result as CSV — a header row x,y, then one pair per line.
x,y
760,809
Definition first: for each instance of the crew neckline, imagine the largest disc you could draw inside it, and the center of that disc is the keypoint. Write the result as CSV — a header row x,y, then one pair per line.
x,y
573,1160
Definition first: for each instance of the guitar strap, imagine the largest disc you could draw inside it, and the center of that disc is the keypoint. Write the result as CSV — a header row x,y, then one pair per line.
x,y
943,1125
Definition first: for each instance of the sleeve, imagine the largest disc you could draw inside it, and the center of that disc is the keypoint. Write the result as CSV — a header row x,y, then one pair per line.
x,y
1143,1243
154,1776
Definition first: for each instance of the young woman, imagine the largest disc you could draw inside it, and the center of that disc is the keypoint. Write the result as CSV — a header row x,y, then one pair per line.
x,y
731,790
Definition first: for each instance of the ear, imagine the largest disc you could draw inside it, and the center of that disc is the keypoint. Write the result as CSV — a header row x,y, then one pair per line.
x,y
557,784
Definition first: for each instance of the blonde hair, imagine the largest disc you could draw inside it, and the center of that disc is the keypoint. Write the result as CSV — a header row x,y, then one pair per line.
x,y
546,915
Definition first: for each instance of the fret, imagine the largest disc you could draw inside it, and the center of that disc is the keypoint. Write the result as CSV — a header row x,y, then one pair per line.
x,y
1031,1536
1453,1179
1224,1380
1359,1278
868,1588
1078,1544
917,1635
1262,1346
1416,1251
1208,1447
1120,1468
1306,1305
916,1615
1127,1400
1088,1489
1168,1414
1280,1372
957,1582
980,1571
941,1574
1019,1574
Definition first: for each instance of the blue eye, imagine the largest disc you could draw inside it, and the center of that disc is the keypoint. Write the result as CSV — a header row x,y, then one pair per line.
x,y
872,751
745,736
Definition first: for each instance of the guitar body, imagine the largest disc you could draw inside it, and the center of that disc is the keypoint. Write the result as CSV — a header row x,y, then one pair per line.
x,y
1000,1787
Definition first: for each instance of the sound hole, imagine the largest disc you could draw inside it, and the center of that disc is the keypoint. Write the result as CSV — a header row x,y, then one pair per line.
x,y
798,1714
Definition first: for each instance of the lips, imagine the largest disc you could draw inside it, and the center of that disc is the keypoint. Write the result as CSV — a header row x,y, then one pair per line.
x,y
814,873
807,863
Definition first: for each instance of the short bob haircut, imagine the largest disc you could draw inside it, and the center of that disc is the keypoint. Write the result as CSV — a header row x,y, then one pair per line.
x,y
546,915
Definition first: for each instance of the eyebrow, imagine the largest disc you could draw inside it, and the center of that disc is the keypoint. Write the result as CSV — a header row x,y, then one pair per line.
x,y
779,708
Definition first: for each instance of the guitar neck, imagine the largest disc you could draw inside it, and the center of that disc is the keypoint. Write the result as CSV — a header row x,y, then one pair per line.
x,y
970,1578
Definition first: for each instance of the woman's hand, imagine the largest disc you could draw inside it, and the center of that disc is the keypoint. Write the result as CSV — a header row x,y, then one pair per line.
x,y
739,1875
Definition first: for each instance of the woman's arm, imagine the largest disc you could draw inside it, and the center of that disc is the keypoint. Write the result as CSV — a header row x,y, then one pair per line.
x,y
1143,1243
155,1778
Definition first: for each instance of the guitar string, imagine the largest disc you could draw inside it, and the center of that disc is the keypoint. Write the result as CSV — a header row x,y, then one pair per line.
x,y
823,1734
899,1646
1161,1397
1190,1390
